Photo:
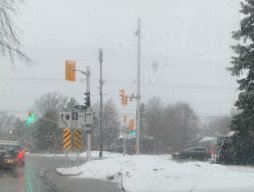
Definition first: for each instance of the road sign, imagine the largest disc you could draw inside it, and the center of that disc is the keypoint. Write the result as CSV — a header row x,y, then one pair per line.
x,y
75,120
78,120
64,119
74,116
66,139
77,139
89,118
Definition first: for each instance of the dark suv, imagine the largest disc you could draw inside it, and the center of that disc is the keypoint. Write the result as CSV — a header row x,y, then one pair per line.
x,y
200,153
8,154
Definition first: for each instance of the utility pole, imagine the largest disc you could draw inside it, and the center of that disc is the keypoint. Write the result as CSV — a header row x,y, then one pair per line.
x,y
138,91
88,109
101,84
125,135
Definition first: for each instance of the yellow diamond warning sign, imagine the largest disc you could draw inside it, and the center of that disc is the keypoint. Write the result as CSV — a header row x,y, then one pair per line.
x,y
66,139
77,139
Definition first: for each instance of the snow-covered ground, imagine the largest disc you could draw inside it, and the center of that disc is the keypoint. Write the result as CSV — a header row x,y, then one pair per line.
x,y
147,173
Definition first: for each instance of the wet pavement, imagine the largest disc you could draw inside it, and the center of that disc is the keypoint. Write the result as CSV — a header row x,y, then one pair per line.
x,y
39,175
12,180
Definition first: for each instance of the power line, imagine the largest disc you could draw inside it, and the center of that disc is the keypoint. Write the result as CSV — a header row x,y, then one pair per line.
x,y
190,86
120,114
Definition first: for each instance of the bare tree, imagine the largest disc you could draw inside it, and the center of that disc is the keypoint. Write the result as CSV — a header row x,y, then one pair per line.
x,y
171,127
181,125
111,126
216,127
51,102
45,132
7,123
9,42
153,124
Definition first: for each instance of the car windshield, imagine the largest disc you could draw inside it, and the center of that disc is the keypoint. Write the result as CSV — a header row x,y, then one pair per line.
x,y
126,95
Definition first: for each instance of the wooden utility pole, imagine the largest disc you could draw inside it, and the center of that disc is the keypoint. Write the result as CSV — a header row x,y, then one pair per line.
x,y
101,104
138,92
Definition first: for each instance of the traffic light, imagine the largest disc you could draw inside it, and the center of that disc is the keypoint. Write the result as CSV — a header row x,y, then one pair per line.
x,y
87,99
122,95
132,133
131,125
125,99
70,70
30,119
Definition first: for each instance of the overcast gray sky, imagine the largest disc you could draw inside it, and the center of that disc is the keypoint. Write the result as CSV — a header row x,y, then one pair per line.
x,y
185,48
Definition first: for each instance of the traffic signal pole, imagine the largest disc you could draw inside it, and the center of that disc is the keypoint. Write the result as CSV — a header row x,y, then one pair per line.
x,y
138,97
89,109
88,129
124,138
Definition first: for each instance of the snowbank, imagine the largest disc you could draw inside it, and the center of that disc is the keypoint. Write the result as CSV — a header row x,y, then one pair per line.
x,y
74,171
146,173
94,154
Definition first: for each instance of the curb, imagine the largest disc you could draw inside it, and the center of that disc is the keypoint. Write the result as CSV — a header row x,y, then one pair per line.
x,y
122,185
70,174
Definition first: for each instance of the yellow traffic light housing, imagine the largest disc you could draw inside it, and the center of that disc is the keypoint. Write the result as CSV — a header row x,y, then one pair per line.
x,y
131,125
122,95
125,100
70,70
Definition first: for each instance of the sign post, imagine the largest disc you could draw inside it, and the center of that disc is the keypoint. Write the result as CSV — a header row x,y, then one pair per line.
x,y
66,143
72,137
77,143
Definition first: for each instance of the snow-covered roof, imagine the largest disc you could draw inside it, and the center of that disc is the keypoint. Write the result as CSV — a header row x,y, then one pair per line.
x,y
8,142
230,134
205,139
148,137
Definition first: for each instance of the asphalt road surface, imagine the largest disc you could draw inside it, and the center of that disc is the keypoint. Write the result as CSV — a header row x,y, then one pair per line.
x,y
12,180
39,175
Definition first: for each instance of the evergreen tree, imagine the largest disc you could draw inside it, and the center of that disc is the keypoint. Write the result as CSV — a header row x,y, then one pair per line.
x,y
243,67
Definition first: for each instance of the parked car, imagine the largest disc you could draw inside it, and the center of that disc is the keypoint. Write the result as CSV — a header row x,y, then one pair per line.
x,y
200,153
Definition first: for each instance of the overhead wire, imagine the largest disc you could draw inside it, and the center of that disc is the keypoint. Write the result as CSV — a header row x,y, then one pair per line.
x,y
120,114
